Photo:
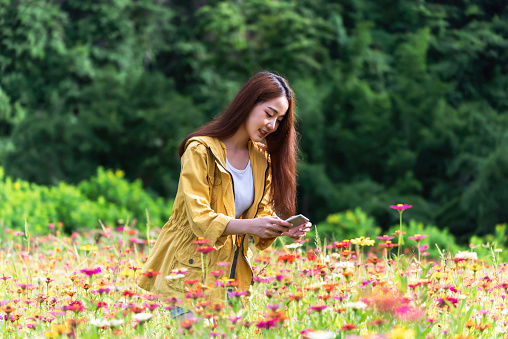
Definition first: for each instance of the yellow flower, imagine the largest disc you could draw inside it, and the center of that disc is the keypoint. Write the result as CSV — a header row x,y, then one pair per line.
x,y
17,186
363,241
475,267
400,332
119,173
60,328
438,275
127,273
88,248
51,334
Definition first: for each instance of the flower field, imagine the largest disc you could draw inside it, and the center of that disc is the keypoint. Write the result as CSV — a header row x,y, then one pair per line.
x,y
84,286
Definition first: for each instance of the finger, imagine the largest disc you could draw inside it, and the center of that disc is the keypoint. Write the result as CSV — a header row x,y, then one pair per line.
x,y
281,222
273,234
278,228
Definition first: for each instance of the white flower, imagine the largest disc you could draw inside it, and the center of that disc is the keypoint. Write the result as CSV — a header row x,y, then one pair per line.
x,y
141,317
498,250
175,276
344,264
356,305
99,322
327,259
320,335
466,255
38,279
295,245
115,322
499,329
336,275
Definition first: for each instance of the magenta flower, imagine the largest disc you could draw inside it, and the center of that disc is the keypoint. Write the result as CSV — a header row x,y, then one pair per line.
x,y
267,324
401,207
318,308
91,271
237,293
443,301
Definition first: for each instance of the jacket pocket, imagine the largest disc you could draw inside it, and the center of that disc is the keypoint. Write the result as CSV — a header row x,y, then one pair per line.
x,y
191,262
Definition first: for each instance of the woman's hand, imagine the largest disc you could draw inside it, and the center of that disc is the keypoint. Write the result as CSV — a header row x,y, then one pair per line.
x,y
269,227
299,232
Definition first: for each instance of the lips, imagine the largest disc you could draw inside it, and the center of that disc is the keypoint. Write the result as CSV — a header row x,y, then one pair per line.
x,y
263,134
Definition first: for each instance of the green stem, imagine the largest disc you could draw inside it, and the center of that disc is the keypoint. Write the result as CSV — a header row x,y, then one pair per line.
x,y
203,267
400,234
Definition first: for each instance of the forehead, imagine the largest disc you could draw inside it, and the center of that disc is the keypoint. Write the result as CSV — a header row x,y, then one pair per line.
x,y
277,105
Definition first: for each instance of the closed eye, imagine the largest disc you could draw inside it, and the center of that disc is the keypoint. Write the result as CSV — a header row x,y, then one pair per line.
x,y
268,114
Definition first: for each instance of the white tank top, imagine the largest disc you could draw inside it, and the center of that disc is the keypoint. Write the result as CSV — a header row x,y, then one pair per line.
x,y
244,187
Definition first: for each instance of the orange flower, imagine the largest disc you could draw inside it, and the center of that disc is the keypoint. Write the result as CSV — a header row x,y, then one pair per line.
x,y
287,258
8,308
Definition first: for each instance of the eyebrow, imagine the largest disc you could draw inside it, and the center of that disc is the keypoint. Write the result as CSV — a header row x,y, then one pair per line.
x,y
273,109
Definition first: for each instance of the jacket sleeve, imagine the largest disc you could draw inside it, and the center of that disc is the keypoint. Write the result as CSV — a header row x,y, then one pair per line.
x,y
265,210
204,221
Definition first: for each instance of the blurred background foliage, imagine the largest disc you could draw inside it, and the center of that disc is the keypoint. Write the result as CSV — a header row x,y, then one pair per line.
x,y
106,196
398,101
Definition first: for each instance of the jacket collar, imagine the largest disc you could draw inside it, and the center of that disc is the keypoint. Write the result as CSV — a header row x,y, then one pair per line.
x,y
256,155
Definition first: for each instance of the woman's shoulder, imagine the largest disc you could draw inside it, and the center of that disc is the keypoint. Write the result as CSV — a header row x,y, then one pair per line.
x,y
203,142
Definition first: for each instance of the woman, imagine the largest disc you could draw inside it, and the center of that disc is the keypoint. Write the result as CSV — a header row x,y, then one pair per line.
x,y
238,175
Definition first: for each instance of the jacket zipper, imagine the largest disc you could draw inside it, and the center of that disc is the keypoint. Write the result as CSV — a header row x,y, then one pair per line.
x,y
257,209
255,215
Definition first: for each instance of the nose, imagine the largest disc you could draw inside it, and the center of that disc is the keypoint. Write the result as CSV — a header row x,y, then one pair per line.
x,y
271,124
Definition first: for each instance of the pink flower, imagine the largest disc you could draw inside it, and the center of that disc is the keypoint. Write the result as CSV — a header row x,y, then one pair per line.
x,y
234,320
409,313
385,237
200,241
217,273
401,207
205,250
422,248
273,307
418,237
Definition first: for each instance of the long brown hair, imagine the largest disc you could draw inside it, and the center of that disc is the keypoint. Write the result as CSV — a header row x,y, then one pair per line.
x,y
281,144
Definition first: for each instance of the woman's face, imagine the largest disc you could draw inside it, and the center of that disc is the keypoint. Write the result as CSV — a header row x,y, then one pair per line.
x,y
265,117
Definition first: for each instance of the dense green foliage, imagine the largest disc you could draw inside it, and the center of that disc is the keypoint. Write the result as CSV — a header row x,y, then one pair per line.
x,y
398,101
106,196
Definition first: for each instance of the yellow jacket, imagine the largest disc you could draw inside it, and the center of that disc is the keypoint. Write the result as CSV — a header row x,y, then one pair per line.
x,y
203,206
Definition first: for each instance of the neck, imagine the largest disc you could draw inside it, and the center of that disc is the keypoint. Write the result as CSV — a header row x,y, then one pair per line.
x,y
238,141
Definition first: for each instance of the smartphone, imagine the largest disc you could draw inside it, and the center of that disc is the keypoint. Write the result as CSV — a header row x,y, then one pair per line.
x,y
297,220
